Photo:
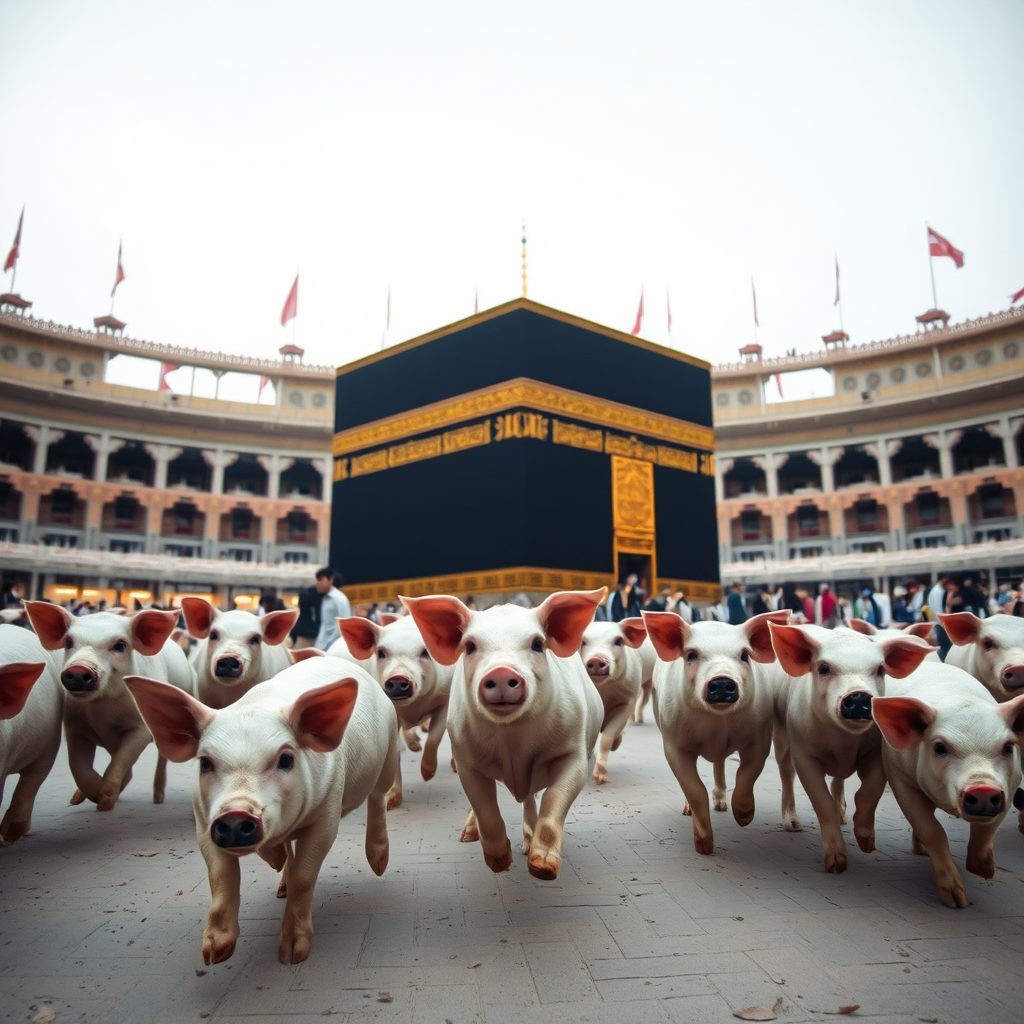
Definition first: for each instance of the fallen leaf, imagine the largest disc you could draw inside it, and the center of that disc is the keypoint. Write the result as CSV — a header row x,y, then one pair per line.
x,y
779,981
842,1011
146,853
475,963
44,1016
737,918
929,1020
385,997
754,1013
777,1005
199,973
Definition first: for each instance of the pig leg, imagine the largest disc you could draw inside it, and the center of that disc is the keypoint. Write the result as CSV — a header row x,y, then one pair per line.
x,y
839,795
18,819
529,821
118,772
981,858
637,717
749,771
159,780
568,773
81,754
483,797
438,724
812,778
470,833
720,788
611,737
312,845
784,759
221,932
920,812
377,846
412,741
684,768
872,786
276,857
394,797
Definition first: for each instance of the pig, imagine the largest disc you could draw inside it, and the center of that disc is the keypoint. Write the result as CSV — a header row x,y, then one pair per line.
x,y
611,657
99,651
991,650
713,697
648,659
823,723
923,630
31,708
278,769
417,685
236,650
522,711
950,745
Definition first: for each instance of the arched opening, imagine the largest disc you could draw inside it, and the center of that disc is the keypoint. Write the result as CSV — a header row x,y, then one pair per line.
x,y
71,456
302,481
798,474
131,464
856,468
246,476
16,447
977,450
915,459
745,477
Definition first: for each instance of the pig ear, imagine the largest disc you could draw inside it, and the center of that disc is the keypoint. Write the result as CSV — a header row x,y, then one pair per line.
x,y
794,649
962,627
903,654
922,630
565,615
50,621
903,720
175,719
319,716
277,625
360,635
199,615
442,622
760,639
1013,714
151,629
862,626
386,618
668,632
305,654
634,632
16,682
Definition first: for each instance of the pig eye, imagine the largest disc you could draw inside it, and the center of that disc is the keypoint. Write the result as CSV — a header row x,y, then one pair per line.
x,y
692,655
940,748
205,766
824,669
255,639
470,647
1008,749
745,656
618,642
425,654
538,645
119,647
286,762
68,643
214,635
988,645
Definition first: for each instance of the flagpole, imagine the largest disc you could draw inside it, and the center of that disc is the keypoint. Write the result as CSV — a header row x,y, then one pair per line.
x,y
839,295
931,265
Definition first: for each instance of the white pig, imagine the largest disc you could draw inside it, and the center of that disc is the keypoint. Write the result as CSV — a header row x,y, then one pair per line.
x,y
949,745
610,656
823,723
522,711
236,650
648,659
713,698
278,769
991,650
99,651
31,705
417,685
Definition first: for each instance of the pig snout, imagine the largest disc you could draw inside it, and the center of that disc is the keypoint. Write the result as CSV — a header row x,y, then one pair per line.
x,y
227,667
398,687
79,679
502,690
721,690
235,830
856,706
982,802
597,667
1013,677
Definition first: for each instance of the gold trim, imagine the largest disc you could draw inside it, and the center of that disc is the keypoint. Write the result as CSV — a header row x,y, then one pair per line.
x,y
533,307
633,497
522,392
576,436
496,581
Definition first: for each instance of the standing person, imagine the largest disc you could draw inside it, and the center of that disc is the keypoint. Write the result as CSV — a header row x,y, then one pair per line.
x,y
790,601
626,600
825,607
915,600
866,608
806,603
884,608
936,601
737,606
307,625
763,601
900,609
661,602
334,605
682,607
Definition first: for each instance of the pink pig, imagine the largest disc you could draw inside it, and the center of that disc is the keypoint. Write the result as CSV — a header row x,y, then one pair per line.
x,y
522,711
99,651
31,705
278,769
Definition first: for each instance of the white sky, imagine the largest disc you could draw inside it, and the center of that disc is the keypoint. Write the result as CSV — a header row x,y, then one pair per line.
x,y
681,146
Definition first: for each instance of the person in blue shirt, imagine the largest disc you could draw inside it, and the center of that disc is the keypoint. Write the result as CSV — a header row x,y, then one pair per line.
x,y
737,606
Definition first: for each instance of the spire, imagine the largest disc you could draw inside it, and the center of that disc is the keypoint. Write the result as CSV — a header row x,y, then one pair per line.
x,y
524,257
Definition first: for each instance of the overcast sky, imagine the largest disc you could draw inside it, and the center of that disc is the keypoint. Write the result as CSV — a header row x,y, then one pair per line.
x,y
681,147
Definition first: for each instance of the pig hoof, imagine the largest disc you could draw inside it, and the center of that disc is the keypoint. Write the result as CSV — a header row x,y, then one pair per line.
x,y
469,835
377,857
545,867
744,816
394,800
792,823
704,844
218,947
12,831
917,846
867,842
282,890
428,771
686,810
158,798
835,863
954,895
600,777
454,769
502,862
984,865
106,803
720,804
412,742
617,742
76,798
293,949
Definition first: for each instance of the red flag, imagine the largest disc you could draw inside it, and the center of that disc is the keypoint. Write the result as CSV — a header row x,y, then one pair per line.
x,y
639,315
119,274
12,256
778,382
1017,297
165,368
836,303
753,292
291,304
939,246
264,381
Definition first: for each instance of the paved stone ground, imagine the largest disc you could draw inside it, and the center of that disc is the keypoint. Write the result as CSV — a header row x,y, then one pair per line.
x,y
101,918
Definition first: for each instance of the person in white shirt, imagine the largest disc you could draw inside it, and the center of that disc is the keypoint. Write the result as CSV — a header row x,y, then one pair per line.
x,y
335,605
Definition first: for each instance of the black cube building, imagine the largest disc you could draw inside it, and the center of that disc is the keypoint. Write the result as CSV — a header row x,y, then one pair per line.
x,y
523,449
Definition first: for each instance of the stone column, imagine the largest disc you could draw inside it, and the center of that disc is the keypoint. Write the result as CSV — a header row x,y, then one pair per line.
x,y
958,510
780,533
93,516
943,441
827,459
769,462
154,519
836,523
897,526
272,464
103,445
162,454
1005,430
29,510
43,437
325,467
219,460
268,530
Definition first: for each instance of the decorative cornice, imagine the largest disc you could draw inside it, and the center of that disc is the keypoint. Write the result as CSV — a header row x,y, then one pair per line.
x,y
522,392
